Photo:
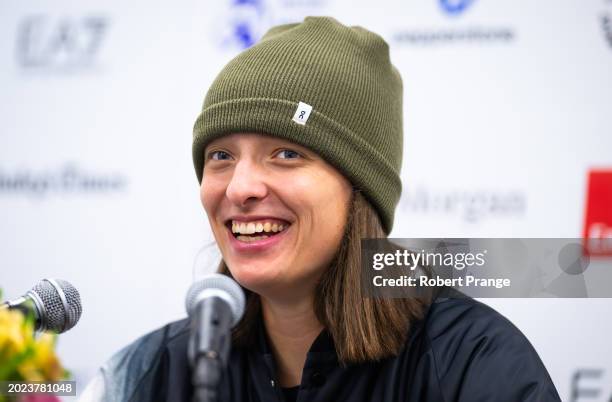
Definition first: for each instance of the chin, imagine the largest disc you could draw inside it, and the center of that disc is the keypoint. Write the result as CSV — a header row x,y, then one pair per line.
x,y
253,277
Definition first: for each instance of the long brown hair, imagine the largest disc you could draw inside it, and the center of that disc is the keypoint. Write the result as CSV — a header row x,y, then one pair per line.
x,y
363,328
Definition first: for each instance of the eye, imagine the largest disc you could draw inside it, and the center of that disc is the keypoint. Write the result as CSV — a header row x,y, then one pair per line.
x,y
218,155
288,154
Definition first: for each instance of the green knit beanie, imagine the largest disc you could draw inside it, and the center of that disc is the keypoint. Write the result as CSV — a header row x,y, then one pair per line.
x,y
325,86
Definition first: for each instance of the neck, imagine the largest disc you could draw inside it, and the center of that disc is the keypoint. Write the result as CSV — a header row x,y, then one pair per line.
x,y
292,327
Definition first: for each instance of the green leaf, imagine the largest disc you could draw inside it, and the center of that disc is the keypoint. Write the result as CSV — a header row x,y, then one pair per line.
x,y
8,371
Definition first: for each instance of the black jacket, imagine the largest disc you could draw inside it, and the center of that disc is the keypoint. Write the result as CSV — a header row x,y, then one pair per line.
x,y
462,351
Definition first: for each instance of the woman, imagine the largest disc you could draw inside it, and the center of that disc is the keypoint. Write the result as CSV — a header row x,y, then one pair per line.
x,y
298,151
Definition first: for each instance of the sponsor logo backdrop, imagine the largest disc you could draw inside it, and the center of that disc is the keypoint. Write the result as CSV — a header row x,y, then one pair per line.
x,y
506,118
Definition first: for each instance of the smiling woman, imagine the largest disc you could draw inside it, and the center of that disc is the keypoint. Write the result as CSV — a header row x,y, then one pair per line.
x,y
249,183
298,151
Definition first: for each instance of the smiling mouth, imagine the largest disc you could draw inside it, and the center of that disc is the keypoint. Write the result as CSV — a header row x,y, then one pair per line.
x,y
249,232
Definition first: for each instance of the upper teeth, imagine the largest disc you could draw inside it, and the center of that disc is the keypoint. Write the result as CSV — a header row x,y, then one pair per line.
x,y
256,227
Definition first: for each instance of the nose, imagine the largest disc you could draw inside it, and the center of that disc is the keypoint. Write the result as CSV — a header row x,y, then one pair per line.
x,y
247,184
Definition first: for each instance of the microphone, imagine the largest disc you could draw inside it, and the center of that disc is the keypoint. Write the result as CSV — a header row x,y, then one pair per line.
x,y
214,304
56,305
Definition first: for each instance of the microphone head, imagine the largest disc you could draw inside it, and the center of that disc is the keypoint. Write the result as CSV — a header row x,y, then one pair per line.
x,y
58,303
217,285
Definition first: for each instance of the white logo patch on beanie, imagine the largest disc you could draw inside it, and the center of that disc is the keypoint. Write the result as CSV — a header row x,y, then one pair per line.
x,y
302,113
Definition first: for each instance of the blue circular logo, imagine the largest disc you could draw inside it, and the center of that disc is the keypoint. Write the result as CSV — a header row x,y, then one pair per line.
x,y
455,7
245,23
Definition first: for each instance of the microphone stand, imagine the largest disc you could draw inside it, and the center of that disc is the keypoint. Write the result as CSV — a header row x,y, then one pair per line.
x,y
209,347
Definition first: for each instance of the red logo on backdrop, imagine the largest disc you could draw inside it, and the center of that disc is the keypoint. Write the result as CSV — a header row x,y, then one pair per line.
x,y
598,218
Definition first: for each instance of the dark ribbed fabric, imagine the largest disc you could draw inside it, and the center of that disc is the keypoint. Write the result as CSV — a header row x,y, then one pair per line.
x,y
345,74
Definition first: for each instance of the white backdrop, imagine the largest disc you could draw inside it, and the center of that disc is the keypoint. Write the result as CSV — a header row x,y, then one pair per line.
x,y
507,108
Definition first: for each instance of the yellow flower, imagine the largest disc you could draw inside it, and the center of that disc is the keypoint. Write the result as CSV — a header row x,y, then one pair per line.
x,y
44,364
14,333
24,356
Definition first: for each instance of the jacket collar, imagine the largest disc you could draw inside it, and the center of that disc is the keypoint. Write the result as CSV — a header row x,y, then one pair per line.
x,y
323,345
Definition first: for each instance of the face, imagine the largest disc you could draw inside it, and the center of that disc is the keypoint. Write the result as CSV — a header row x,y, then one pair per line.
x,y
277,211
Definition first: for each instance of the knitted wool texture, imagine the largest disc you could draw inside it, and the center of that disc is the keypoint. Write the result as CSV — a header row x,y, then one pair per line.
x,y
345,75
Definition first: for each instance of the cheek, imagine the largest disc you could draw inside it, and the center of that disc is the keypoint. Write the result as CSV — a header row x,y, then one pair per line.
x,y
332,197
333,215
323,204
211,192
